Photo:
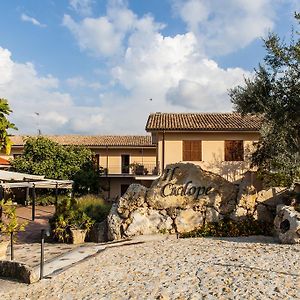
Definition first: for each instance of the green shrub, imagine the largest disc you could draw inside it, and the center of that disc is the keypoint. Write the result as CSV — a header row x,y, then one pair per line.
x,y
68,215
94,206
230,228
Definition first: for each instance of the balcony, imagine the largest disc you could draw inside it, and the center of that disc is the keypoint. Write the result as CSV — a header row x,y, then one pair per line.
x,y
132,170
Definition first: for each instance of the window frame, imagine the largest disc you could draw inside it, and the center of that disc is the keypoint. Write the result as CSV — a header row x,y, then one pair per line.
x,y
238,155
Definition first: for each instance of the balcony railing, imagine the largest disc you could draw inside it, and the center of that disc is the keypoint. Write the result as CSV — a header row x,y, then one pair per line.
x,y
136,168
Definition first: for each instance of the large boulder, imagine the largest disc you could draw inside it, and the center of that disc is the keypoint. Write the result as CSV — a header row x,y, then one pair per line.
x,y
287,224
182,199
114,224
148,221
185,185
132,199
258,204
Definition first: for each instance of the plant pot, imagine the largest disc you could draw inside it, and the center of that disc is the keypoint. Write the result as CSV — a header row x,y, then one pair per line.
x,y
3,249
78,235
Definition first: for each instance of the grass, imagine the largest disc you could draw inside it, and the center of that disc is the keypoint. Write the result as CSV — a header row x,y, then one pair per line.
x,y
94,206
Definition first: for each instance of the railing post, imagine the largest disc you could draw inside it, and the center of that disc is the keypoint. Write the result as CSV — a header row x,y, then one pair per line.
x,y
33,202
12,256
42,254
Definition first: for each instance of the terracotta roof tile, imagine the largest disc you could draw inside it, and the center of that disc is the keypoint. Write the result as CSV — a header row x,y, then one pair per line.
x,y
97,140
203,122
4,161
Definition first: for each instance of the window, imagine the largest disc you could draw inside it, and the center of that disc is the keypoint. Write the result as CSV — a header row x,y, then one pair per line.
x,y
125,158
234,150
192,150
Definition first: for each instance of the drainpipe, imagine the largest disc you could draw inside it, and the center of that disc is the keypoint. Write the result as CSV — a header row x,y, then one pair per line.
x,y
163,152
106,160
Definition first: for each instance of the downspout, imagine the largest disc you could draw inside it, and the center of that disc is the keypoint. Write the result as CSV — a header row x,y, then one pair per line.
x,y
163,152
106,160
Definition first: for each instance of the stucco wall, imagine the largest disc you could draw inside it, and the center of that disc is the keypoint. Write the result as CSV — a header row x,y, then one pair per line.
x,y
147,157
212,151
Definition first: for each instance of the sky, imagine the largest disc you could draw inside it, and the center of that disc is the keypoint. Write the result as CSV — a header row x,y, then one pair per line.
x,y
101,67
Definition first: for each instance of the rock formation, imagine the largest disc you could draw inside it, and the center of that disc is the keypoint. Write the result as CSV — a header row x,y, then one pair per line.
x,y
182,199
185,197
287,224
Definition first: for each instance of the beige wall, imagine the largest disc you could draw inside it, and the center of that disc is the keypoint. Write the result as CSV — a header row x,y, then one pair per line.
x,y
147,157
212,151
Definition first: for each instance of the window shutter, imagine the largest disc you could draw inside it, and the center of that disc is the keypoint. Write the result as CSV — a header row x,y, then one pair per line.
x,y
195,150
234,150
192,150
186,150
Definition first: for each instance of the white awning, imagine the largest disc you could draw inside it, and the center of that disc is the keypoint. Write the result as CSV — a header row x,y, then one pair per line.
x,y
15,176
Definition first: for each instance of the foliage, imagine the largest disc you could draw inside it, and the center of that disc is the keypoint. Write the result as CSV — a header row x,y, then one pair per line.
x,y
11,225
230,228
47,198
138,168
44,157
274,92
67,216
95,207
5,142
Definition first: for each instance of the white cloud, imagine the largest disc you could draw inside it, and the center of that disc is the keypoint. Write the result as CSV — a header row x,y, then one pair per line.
x,y
96,35
173,71
79,82
32,20
28,92
82,7
226,26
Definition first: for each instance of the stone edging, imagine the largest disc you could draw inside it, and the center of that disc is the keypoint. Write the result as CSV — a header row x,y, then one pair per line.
x,y
17,270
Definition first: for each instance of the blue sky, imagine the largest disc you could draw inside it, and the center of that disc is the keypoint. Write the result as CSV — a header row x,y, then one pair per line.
x,y
92,66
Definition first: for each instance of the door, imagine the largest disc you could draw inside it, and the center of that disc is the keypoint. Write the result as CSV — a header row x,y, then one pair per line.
x,y
125,163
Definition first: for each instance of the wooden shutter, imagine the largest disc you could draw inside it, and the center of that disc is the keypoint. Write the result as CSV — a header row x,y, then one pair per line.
x,y
186,150
192,150
234,150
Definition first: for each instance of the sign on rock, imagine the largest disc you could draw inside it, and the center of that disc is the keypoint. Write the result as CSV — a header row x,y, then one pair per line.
x,y
188,189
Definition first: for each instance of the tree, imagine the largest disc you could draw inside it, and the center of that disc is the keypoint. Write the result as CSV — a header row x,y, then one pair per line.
x,y
5,142
274,93
44,157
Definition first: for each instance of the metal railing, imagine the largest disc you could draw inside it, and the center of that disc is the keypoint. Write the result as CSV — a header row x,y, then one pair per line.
x,y
136,168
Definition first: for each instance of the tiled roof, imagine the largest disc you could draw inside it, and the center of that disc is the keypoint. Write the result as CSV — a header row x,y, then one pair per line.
x,y
97,140
203,122
4,161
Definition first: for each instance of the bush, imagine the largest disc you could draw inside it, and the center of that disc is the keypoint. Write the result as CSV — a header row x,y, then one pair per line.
x,y
94,206
230,228
67,216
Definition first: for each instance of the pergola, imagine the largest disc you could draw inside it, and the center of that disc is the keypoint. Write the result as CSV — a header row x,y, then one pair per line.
x,y
10,180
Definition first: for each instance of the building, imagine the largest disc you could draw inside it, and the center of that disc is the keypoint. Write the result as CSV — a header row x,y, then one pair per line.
x,y
124,159
218,142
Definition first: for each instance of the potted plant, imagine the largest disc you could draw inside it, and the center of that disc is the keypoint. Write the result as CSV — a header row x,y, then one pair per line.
x,y
137,168
9,226
80,223
69,223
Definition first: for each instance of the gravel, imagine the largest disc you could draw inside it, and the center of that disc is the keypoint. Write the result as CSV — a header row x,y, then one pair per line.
x,y
194,268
